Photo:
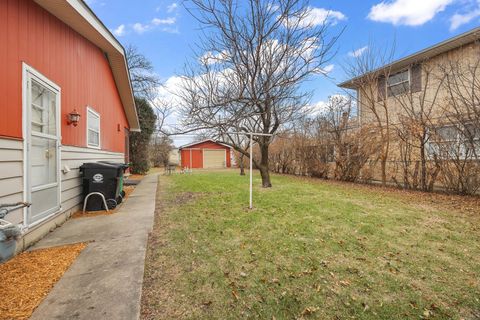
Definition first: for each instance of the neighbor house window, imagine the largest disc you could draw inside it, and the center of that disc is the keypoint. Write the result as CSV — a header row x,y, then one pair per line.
x,y
93,128
450,142
398,83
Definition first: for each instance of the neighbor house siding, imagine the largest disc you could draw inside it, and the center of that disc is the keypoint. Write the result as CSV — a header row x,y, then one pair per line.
x,y
466,56
30,34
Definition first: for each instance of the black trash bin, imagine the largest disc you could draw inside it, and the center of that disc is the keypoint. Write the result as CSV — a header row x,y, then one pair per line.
x,y
122,167
105,178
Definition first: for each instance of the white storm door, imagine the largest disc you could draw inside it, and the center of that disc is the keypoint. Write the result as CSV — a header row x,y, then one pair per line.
x,y
43,147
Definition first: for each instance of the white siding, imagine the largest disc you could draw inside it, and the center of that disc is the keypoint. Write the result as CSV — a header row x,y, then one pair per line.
x,y
74,157
11,174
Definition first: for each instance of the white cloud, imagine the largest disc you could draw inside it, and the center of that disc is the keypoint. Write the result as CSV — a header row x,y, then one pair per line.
x,y
119,31
169,21
459,19
357,53
318,108
140,28
172,7
212,58
171,30
327,69
319,16
407,12
334,103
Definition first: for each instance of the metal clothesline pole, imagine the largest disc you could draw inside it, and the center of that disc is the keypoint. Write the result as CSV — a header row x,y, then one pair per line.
x,y
251,134
251,171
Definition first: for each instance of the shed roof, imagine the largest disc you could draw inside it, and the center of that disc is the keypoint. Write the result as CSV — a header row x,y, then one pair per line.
x,y
203,141
444,46
78,16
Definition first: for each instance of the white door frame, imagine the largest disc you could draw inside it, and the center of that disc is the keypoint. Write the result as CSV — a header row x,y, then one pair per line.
x,y
27,72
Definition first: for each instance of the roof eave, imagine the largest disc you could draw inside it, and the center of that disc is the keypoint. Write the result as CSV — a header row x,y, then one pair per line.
x,y
202,141
78,16
425,54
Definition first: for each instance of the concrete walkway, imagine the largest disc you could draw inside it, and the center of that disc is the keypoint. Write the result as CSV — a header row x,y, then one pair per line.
x,y
105,281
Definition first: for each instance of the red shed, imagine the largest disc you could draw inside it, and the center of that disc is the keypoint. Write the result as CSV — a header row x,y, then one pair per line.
x,y
205,154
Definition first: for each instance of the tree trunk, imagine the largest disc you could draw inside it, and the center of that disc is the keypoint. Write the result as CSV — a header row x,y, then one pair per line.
x,y
383,162
263,167
423,173
242,168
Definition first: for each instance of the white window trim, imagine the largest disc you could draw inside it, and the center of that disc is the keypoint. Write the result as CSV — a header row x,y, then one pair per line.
x,y
457,141
408,71
90,109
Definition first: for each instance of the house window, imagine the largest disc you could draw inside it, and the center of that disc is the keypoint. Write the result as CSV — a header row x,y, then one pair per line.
x,y
93,128
450,142
398,83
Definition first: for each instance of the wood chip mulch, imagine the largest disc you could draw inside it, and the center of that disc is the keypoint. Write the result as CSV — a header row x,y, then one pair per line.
x,y
79,214
135,177
27,279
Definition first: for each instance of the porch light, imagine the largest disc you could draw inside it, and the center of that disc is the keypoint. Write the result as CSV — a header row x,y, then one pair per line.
x,y
73,118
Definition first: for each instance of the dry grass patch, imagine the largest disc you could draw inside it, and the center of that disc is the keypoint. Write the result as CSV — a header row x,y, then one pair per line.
x,y
27,279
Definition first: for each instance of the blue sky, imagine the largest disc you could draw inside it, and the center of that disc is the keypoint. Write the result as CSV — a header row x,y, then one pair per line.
x,y
165,32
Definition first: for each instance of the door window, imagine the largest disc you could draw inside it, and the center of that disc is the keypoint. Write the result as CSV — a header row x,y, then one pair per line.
x,y
43,147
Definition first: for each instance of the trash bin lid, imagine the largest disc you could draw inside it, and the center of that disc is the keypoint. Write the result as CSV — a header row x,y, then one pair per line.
x,y
116,164
97,165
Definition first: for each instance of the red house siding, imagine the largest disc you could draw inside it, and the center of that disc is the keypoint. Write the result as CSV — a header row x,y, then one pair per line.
x,y
30,34
197,154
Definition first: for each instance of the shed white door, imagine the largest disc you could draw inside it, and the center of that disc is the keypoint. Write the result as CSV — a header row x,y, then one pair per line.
x,y
214,158
43,147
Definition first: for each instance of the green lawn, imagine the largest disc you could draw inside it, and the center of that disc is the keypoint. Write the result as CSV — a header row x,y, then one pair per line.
x,y
310,249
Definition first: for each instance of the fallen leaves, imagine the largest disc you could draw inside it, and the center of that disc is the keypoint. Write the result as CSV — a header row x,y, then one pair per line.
x,y
309,311
235,295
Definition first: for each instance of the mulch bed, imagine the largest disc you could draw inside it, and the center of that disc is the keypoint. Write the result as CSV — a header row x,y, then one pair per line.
x,y
79,214
27,279
138,177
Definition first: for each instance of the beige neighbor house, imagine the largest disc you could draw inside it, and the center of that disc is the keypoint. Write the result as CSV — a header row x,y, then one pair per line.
x,y
425,110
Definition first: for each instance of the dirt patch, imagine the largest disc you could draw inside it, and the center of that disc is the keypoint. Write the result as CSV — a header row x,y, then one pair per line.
x,y
161,273
79,214
26,279
185,197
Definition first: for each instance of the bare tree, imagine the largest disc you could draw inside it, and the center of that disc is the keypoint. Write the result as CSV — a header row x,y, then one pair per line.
x,y
417,105
353,146
457,136
254,56
160,149
152,110
145,84
370,71
142,76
